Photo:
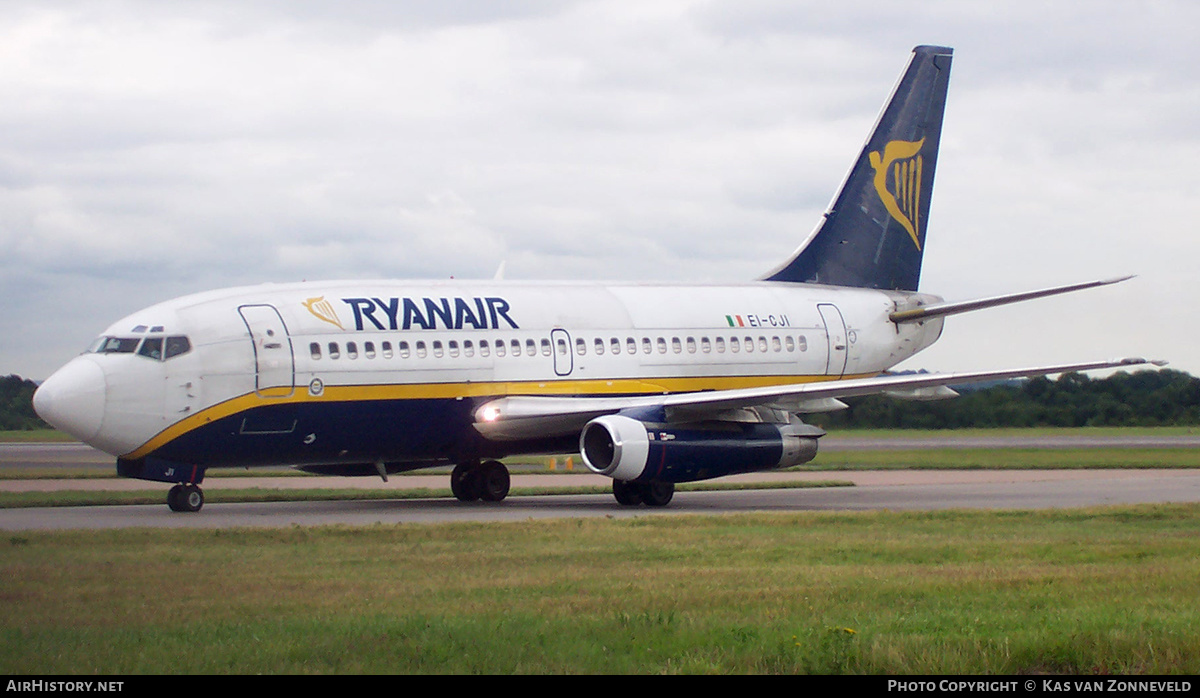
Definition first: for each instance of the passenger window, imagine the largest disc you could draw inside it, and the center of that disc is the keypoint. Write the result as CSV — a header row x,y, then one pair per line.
x,y
749,344
599,346
152,348
351,350
691,345
676,346
720,345
562,347
515,345
662,345
734,345
789,343
705,345
437,348
803,342
403,348
762,344
334,351
545,347
615,345
500,347
421,351
647,345
468,348
484,348
580,346
531,347
630,345
369,349
775,345
315,350
387,350
453,346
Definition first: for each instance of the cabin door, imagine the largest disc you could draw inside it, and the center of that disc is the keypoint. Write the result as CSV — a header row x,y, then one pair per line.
x,y
274,366
835,332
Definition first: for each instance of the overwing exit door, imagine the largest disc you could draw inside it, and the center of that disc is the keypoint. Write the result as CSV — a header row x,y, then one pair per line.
x,y
564,358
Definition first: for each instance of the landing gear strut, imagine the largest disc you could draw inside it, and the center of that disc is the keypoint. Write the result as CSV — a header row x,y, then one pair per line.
x,y
185,498
652,494
488,481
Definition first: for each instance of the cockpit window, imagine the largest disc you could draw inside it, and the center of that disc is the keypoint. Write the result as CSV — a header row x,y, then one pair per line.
x,y
118,345
157,348
151,347
177,345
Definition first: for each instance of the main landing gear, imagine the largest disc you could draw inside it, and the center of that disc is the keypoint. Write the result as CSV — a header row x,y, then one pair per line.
x,y
185,498
652,494
473,481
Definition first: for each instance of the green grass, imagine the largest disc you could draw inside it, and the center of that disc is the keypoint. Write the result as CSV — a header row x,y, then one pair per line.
x,y
1109,590
34,436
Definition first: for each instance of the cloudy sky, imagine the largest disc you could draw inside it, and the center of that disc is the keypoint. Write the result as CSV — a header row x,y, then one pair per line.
x,y
150,149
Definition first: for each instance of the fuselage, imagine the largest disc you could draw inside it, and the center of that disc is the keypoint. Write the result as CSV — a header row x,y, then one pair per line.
x,y
353,372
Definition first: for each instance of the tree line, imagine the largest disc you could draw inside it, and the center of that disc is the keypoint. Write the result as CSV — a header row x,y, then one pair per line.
x,y
16,405
1144,398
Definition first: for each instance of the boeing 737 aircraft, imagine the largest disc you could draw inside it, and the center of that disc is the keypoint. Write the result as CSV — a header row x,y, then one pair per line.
x,y
654,384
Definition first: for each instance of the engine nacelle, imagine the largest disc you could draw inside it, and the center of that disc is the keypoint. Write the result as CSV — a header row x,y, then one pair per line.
x,y
624,448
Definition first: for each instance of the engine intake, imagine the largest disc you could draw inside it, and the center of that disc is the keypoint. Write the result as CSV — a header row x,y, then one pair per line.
x,y
625,448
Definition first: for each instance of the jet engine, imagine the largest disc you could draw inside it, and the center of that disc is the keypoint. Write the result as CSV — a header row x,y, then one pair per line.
x,y
625,448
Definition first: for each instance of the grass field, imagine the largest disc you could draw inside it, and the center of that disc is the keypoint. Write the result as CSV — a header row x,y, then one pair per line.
x,y
1081,592
1106,590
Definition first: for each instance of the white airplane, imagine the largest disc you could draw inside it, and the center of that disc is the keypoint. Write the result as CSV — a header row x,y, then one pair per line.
x,y
654,384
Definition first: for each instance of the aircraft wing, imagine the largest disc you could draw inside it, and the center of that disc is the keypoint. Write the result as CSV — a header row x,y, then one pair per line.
x,y
520,417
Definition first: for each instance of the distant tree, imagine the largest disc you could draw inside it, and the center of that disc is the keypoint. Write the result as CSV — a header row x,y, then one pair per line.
x,y
16,405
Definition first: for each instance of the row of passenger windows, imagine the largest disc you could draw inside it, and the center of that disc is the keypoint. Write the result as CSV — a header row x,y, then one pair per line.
x,y
530,347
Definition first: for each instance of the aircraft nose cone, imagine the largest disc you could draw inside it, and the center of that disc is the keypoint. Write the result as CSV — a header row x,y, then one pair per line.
x,y
72,399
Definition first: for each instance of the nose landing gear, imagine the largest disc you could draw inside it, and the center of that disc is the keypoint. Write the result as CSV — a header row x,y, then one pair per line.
x,y
187,498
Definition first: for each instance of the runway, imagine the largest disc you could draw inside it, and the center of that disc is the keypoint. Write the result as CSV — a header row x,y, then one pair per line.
x,y
862,490
895,490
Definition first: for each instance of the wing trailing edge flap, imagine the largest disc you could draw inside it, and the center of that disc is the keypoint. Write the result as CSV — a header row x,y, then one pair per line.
x,y
523,417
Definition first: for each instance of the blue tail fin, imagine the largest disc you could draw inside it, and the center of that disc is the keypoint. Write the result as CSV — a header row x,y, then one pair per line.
x,y
874,234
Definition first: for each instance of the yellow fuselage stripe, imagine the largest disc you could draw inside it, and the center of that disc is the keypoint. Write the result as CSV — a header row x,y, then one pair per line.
x,y
451,391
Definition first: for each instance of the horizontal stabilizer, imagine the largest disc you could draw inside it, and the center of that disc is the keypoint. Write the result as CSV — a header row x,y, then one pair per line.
x,y
943,309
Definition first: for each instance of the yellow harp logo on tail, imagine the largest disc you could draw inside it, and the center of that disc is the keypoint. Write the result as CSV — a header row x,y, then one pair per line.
x,y
898,183
323,310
